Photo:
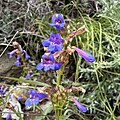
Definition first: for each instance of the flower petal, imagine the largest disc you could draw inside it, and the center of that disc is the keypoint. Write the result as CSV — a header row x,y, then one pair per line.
x,y
17,63
51,24
28,76
26,55
46,42
87,56
28,102
8,116
39,66
42,95
11,53
80,106
51,48
46,68
57,65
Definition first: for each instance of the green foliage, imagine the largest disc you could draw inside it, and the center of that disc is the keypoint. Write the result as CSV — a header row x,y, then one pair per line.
x,y
101,79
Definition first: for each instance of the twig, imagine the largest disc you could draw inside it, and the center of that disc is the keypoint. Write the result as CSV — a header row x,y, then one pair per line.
x,y
8,44
3,44
13,21
31,33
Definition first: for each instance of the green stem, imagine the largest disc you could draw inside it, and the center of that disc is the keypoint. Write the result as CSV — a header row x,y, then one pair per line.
x,y
58,115
59,76
77,70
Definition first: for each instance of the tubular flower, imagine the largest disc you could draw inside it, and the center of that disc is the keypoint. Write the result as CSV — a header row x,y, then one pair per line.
x,y
34,97
28,76
48,62
80,106
2,89
17,63
87,56
8,116
54,43
57,21
26,55
12,52
19,53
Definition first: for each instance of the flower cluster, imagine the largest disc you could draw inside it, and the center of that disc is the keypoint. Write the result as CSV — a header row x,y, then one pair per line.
x,y
19,52
21,55
34,97
57,46
54,43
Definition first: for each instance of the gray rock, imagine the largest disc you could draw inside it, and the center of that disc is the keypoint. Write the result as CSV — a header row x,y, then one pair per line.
x,y
7,66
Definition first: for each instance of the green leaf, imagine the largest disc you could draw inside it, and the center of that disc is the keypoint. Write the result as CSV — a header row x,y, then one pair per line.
x,y
26,81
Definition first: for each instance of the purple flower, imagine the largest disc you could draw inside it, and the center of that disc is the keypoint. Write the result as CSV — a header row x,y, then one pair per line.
x,y
28,76
2,90
8,116
87,56
80,106
17,63
54,43
26,55
34,97
19,98
12,52
48,62
57,21
22,51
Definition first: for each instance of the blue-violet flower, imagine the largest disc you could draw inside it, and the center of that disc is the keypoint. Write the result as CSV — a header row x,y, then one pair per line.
x,y
57,21
26,55
80,106
12,52
17,63
34,97
28,76
8,116
2,89
87,56
54,43
48,62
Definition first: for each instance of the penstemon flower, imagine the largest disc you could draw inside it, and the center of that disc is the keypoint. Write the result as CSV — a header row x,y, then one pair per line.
x,y
12,52
21,58
17,63
34,97
8,116
59,49
87,56
57,21
54,43
48,62
26,55
28,76
19,52
80,106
